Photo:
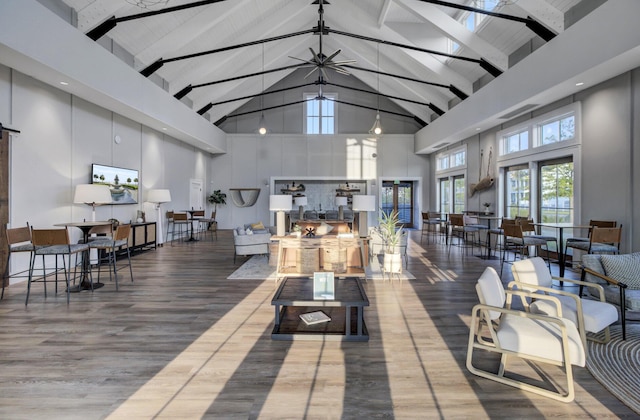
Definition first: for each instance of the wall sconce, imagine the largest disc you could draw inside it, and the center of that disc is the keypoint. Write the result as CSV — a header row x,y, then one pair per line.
x,y
280,204
363,204
92,195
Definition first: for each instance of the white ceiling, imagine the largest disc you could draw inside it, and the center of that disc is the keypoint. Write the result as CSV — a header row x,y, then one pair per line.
x,y
232,22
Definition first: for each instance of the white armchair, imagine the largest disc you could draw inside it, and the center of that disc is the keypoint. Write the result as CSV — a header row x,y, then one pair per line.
x,y
538,338
589,315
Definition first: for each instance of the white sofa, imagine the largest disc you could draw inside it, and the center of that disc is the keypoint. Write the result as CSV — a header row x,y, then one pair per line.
x,y
253,243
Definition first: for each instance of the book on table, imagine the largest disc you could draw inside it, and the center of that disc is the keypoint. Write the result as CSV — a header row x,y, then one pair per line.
x,y
315,317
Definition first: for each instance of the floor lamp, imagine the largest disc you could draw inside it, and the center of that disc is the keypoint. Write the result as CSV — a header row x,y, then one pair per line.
x,y
280,204
363,204
92,195
158,197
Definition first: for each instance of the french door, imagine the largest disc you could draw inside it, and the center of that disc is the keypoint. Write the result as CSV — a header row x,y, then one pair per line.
x,y
398,196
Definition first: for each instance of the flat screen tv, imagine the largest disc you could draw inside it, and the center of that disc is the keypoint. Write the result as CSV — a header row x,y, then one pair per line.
x,y
122,182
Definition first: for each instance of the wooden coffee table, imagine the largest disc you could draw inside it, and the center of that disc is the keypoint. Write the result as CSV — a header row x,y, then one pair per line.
x,y
295,296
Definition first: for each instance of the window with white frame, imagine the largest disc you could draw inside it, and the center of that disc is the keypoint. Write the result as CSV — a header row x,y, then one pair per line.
x,y
540,173
320,115
452,159
471,20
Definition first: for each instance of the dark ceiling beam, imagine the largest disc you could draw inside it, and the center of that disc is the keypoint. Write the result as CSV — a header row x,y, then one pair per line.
x,y
460,94
372,92
494,71
530,22
208,106
153,67
415,118
103,28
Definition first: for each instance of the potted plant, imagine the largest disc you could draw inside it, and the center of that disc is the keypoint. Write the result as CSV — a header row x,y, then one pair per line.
x,y
217,197
486,207
391,235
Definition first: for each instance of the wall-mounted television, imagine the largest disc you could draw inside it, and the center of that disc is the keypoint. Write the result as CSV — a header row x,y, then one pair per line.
x,y
122,182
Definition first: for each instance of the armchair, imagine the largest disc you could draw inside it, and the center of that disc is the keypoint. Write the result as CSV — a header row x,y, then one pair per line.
x,y
619,276
538,338
532,275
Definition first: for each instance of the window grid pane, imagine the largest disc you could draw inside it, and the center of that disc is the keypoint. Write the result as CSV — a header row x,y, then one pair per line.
x,y
459,194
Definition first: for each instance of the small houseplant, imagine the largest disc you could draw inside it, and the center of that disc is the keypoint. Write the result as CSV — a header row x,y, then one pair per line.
x,y
217,197
486,207
391,235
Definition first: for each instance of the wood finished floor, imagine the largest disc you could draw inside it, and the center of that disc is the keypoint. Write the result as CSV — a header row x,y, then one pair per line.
x,y
182,342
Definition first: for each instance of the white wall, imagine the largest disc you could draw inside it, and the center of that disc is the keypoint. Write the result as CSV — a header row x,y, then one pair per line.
x,y
252,160
610,149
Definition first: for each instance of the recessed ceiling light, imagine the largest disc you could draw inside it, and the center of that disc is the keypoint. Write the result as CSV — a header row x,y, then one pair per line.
x,y
164,128
64,83
579,83
478,129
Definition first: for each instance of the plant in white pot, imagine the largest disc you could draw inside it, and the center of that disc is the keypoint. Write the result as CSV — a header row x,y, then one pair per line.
x,y
391,235
217,197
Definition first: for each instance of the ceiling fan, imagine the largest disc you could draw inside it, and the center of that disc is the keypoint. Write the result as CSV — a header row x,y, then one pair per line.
x,y
319,61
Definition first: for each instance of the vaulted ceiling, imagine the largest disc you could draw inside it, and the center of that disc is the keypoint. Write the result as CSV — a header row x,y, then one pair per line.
x,y
232,35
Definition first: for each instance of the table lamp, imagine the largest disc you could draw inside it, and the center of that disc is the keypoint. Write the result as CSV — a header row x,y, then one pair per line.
x,y
158,197
363,204
301,202
341,202
92,195
280,204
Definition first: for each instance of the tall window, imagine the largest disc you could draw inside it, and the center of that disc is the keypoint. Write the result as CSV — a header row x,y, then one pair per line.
x,y
320,114
459,194
398,196
556,191
445,195
517,191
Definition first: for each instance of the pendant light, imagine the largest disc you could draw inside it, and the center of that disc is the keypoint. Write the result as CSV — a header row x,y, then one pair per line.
x,y
262,126
377,127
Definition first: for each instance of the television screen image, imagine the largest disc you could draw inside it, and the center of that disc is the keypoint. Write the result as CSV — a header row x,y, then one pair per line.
x,y
122,182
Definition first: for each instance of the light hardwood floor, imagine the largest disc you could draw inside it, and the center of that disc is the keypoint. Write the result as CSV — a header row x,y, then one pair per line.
x,y
183,342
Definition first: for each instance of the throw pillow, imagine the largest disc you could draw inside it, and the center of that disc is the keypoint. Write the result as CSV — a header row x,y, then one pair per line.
x,y
249,231
258,225
625,268
323,229
240,231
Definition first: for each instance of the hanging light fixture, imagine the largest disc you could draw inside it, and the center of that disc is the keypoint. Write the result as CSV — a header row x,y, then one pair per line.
x,y
262,126
377,127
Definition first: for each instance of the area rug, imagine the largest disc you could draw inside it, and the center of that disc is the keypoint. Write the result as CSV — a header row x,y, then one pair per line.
x,y
258,268
616,365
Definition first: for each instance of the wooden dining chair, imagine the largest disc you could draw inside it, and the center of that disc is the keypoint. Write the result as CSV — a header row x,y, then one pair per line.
x,y
18,241
55,242
107,246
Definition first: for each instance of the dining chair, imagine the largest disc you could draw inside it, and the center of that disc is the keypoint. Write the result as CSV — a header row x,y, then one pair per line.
x,y
592,223
107,247
602,240
169,217
208,225
55,242
498,232
180,221
18,240
516,242
515,334
467,236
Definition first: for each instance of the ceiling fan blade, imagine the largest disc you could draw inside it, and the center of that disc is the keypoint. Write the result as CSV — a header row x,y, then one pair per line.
x,y
341,70
302,59
311,72
338,51
316,57
324,73
340,63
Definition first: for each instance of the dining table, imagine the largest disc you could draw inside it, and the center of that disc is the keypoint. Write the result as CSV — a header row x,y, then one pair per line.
x,y
85,227
191,220
560,227
489,222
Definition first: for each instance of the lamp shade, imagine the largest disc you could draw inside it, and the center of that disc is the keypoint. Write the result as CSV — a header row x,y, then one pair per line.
x,y
341,201
159,196
300,201
279,202
364,203
92,194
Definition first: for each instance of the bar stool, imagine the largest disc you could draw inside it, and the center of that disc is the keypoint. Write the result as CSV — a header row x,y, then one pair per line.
x,y
18,240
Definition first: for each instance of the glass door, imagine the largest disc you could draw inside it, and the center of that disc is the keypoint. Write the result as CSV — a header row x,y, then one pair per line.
x,y
398,195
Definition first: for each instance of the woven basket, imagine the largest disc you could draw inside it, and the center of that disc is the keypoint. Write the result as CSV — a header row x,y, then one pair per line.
x,y
308,260
335,259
